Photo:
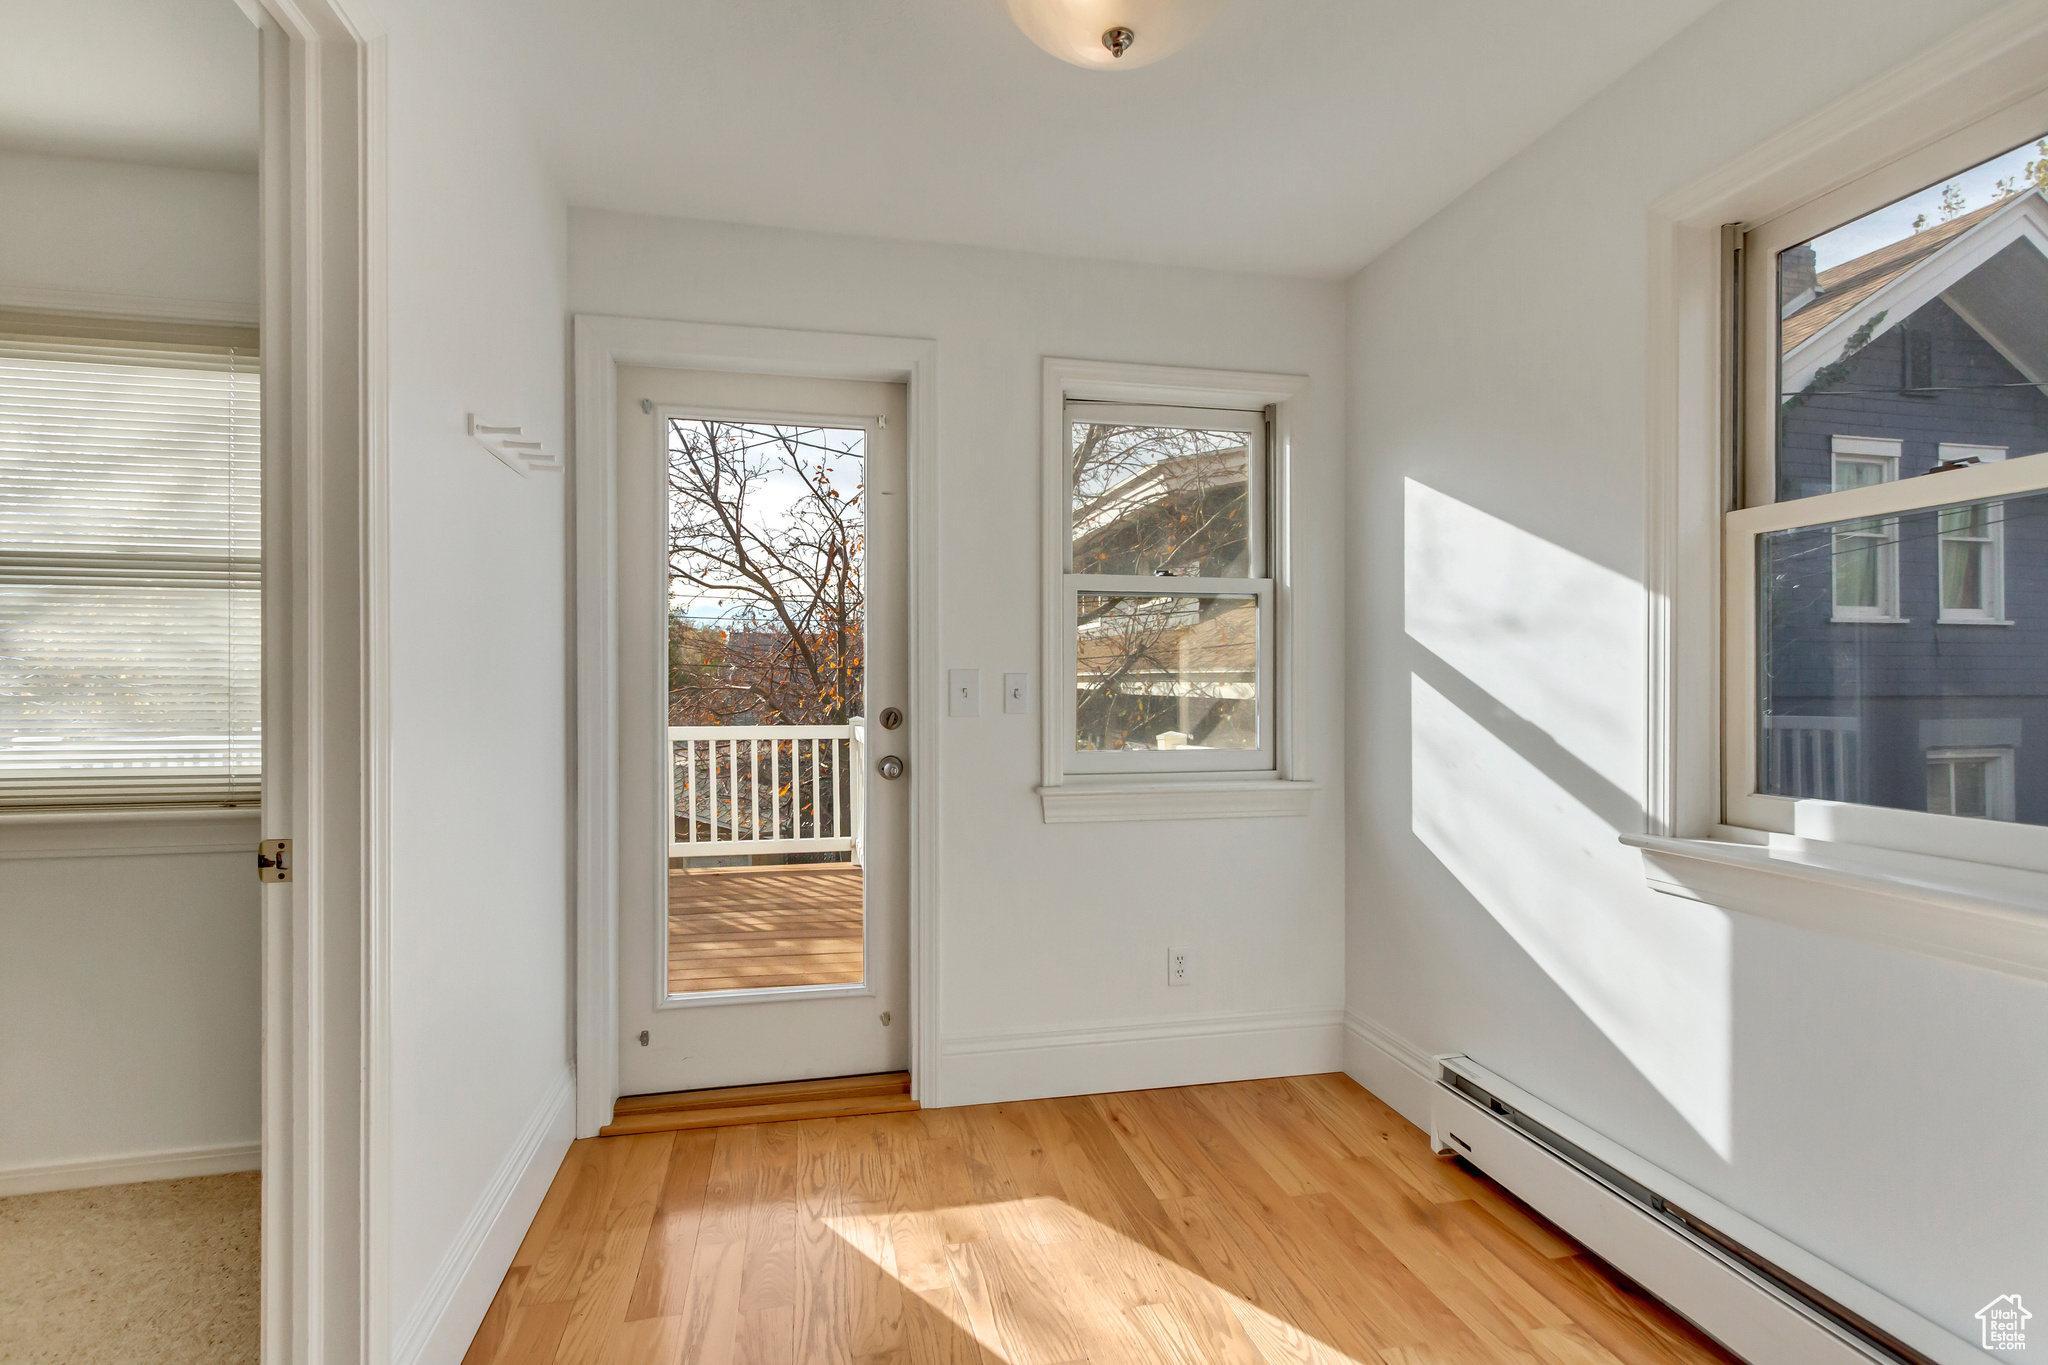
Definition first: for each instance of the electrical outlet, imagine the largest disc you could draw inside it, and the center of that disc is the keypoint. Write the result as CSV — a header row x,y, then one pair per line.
x,y
1179,966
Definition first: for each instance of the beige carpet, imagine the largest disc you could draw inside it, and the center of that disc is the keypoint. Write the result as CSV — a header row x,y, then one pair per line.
x,y
163,1272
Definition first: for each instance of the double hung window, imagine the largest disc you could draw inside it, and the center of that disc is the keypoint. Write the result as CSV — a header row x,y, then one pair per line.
x,y
1167,590
1893,485
130,564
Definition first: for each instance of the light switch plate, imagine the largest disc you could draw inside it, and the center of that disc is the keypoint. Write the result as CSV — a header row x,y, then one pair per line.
x,y
1017,694
963,691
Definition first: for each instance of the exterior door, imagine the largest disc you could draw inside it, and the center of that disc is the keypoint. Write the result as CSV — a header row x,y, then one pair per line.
x,y
763,592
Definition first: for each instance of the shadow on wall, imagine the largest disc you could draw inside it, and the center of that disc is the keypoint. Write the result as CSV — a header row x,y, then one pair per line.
x,y
1526,689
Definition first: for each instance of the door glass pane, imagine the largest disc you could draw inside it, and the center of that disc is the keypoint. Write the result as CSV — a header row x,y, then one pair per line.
x,y
1908,712
1169,501
766,661
1918,323
1167,672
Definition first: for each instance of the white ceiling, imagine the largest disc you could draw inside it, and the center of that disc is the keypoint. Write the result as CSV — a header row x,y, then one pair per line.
x,y
1298,136
168,82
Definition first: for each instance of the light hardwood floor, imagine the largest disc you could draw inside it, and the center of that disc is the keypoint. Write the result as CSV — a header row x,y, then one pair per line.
x,y
750,927
1262,1221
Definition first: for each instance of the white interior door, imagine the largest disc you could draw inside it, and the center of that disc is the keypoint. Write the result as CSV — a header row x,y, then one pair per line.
x,y
763,893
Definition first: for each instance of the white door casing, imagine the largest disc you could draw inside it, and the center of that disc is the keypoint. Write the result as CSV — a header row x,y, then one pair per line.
x,y
698,1041
602,344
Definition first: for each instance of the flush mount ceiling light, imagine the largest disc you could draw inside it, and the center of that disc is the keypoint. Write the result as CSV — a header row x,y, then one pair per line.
x,y
1114,35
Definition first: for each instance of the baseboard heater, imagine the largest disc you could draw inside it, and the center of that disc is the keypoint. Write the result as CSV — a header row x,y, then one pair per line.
x,y
1769,1302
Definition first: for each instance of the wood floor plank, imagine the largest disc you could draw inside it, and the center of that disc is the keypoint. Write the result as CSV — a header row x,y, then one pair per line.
x,y
1245,1229
558,1270
613,1252
769,1274
1256,1223
661,1282
823,1314
533,1331
552,1206
492,1332
711,1303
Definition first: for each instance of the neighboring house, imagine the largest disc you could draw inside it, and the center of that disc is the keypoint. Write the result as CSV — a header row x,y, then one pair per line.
x,y
1906,659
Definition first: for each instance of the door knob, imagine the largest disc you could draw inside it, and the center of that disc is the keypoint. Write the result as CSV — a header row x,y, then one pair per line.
x,y
890,767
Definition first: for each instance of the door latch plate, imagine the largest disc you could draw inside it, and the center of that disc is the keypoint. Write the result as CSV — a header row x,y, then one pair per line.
x,y
274,860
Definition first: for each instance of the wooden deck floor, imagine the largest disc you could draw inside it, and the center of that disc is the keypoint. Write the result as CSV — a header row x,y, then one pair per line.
x,y
1256,1223
743,928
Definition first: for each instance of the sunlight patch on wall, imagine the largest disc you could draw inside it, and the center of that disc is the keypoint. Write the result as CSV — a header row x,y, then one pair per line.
x,y
1651,972
1553,636
1037,1280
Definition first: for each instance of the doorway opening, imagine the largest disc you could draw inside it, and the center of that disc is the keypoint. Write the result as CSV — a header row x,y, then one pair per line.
x,y
767,669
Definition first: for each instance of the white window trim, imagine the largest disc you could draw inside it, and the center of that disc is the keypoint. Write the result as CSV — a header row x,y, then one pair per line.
x,y
1283,786
1887,609
1841,869
1994,615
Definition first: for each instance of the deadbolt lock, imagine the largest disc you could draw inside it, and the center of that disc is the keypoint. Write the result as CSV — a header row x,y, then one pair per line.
x,y
890,718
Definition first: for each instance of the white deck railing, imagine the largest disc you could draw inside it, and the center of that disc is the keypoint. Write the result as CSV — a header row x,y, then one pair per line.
x,y
1814,756
766,789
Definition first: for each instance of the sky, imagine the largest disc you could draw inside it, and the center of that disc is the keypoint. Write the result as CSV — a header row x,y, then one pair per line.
x,y
772,496
1895,221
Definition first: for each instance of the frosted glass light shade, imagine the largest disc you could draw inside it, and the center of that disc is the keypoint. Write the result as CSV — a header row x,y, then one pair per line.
x,y
1072,30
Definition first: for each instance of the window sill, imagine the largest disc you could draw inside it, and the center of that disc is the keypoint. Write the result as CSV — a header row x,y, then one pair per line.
x,y
1971,621
1870,620
105,832
1085,802
1980,914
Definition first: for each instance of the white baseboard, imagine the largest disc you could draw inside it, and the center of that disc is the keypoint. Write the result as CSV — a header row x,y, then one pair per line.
x,y
128,1170
442,1324
1400,1073
1139,1055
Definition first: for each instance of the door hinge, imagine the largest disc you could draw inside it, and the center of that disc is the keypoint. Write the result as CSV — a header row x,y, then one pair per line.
x,y
274,860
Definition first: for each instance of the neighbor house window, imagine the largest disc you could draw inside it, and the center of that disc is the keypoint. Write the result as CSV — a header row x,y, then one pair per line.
x,y
130,564
1893,482
1972,558
1169,590
1974,783
1866,553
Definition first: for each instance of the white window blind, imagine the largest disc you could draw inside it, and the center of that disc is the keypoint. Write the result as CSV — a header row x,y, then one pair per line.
x,y
130,565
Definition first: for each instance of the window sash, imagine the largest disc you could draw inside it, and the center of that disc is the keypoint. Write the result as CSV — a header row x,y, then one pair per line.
x,y
1261,759
1743,804
130,564
1253,424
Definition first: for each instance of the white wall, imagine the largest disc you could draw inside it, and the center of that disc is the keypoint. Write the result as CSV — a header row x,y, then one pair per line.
x,y
1051,932
1884,1111
129,983
480,930
130,991
116,238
